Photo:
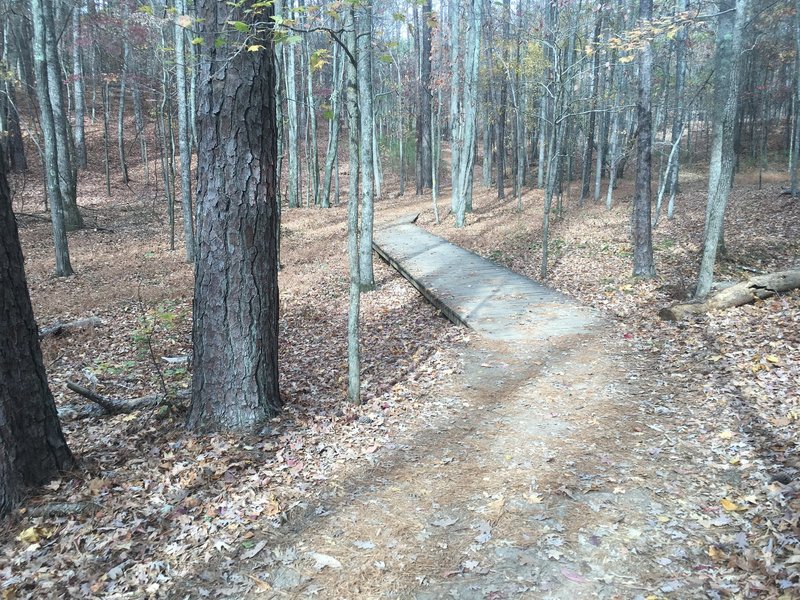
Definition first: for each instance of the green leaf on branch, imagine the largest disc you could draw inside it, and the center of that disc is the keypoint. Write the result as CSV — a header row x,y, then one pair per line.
x,y
240,26
319,59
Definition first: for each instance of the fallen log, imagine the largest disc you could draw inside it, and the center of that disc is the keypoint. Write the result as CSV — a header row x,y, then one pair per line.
x,y
58,328
62,509
745,292
104,406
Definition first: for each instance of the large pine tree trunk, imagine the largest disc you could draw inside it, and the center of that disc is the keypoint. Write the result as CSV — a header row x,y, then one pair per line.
x,y
235,332
32,446
643,265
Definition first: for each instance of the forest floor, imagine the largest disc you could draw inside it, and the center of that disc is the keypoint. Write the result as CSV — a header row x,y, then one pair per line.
x,y
656,459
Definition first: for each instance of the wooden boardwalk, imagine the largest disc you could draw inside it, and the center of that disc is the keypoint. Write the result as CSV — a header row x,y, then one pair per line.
x,y
475,292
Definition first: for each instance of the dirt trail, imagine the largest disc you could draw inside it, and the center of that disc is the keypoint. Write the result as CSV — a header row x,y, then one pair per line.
x,y
536,482
527,488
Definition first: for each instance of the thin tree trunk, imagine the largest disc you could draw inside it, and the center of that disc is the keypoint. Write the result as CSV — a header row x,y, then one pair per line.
x,y
795,156
542,141
311,119
106,110
123,165
183,134
294,138
67,173
455,100
595,93
643,265
424,156
332,153
77,73
51,163
367,152
677,119
501,109
612,160
353,136
726,90
470,103
138,116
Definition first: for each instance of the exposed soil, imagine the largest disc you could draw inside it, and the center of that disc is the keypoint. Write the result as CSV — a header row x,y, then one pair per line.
x,y
640,459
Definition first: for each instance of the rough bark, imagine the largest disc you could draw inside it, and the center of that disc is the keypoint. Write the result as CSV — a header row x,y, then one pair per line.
x,y
32,445
235,331
746,292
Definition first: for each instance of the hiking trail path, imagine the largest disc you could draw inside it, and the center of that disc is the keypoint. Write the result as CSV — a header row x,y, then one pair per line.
x,y
548,477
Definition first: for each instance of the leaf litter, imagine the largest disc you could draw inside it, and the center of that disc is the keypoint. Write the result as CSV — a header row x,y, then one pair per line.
x,y
711,437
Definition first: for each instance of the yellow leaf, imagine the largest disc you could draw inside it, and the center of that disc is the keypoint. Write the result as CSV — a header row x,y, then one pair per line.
x,y
255,48
726,435
30,536
773,359
728,505
534,498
